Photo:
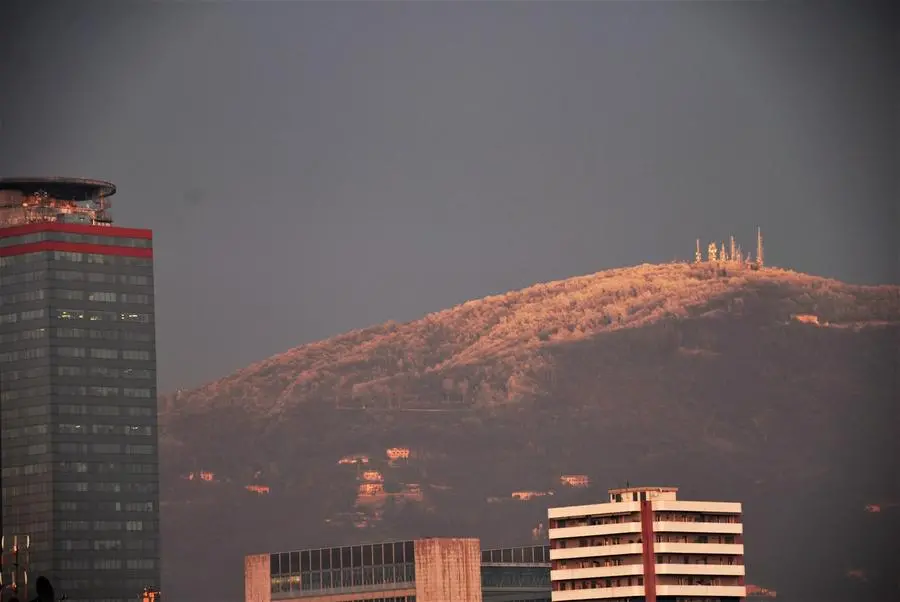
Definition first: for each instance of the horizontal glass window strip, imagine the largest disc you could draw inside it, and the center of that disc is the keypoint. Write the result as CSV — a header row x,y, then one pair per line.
x,y
91,239
389,553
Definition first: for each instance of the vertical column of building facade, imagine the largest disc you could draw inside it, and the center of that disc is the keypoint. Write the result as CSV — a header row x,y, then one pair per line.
x,y
257,578
83,403
698,549
25,434
448,569
596,552
646,544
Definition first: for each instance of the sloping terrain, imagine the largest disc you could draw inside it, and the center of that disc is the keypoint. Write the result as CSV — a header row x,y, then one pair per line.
x,y
770,387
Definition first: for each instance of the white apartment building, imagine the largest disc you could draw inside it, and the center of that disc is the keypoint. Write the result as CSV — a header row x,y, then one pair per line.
x,y
645,544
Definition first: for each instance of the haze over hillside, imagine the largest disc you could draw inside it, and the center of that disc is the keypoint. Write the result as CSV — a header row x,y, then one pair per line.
x,y
766,386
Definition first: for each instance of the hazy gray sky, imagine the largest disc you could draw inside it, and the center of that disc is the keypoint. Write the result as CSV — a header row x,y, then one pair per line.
x,y
312,167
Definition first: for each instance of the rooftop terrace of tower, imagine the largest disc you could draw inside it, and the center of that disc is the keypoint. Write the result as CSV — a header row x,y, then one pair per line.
x,y
55,199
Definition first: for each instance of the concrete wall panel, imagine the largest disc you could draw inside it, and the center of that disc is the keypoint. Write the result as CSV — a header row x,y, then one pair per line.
x,y
448,569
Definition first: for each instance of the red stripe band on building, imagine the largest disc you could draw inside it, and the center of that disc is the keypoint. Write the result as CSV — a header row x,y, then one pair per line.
x,y
74,247
649,557
114,231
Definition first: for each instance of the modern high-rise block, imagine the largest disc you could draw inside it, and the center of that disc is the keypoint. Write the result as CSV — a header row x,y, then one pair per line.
x,y
80,470
645,544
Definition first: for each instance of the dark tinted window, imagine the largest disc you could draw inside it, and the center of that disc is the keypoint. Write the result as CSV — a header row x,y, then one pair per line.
x,y
285,563
345,558
304,560
315,562
274,565
367,555
398,552
295,562
335,558
388,553
377,556
357,556
409,552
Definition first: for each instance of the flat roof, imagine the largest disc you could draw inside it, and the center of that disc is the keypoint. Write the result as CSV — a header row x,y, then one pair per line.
x,y
639,489
76,189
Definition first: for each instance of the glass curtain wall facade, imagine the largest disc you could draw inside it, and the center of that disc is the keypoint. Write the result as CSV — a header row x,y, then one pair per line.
x,y
373,567
79,410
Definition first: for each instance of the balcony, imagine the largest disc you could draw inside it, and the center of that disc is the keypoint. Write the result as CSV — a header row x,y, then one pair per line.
x,y
697,527
706,570
703,591
594,530
700,507
574,512
594,551
724,549
599,593
597,572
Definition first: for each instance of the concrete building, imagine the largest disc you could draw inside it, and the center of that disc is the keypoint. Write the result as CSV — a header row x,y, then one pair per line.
x,y
423,570
645,544
77,391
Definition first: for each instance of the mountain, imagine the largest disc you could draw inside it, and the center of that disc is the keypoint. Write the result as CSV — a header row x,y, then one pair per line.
x,y
766,386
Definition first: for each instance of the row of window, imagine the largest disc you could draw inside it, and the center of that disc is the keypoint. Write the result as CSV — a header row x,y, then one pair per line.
x,y
68,256
103,410
399,552
39,449
42,488
29,411
84,545
22,316
90,239
94,371
105,525
105,429
68,409
81,467
23,297
70,585
68,447
108,487
106,564
36,334
80,295
79,390
76,314
26,431
97,353
579,584
345,578
76,276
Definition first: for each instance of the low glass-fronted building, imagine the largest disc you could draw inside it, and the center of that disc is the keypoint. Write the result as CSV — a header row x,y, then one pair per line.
x,y
424,570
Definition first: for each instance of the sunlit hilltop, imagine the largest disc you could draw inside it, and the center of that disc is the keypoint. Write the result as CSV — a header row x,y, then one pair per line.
x,y
487,351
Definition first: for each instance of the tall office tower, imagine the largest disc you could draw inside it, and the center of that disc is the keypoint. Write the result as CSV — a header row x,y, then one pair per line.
x,y
645,544
80,473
